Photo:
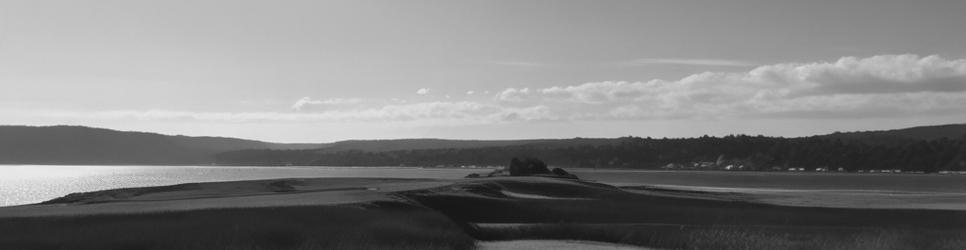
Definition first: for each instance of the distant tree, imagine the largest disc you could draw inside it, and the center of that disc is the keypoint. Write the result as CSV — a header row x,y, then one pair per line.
x,y
516,167
529,166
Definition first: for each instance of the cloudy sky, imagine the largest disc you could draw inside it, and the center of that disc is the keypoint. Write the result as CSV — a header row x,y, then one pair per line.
x,y
310,71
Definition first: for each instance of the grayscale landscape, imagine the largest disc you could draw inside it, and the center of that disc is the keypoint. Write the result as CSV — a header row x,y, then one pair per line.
x,y
472,124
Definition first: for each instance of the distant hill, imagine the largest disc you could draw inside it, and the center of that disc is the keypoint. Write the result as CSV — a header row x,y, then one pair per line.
x,y
912,149
950,131
74,145
85,145
917,148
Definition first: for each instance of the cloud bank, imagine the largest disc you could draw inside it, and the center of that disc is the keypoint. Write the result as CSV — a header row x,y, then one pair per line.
x,y
850,87
885,85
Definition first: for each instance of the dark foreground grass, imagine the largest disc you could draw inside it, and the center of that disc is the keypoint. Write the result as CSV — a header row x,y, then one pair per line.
x,y
608,214
384,225
484,202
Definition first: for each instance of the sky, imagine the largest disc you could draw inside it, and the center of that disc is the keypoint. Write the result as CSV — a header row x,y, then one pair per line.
x,y
320,71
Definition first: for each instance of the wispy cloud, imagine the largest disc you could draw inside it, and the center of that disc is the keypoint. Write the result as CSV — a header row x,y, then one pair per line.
x,y
428,113
423,91
687,61
521,64
306,101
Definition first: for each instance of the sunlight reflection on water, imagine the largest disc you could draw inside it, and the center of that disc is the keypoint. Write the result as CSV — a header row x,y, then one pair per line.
x,y
24,184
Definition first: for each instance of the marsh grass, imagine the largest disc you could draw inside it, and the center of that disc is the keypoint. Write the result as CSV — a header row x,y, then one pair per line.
x,y
373,226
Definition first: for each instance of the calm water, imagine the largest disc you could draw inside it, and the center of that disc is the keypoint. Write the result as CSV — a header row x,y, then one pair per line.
x,y
35,183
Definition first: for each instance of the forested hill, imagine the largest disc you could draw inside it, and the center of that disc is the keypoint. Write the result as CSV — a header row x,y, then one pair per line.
x,y
77,145
930,149
950,131
83,145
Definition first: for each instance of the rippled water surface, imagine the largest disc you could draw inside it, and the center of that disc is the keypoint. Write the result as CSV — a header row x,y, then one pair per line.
x,y
24,184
